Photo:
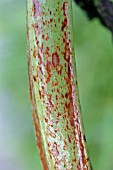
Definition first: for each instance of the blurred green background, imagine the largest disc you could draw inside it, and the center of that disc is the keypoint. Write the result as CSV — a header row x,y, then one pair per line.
x,y
94,57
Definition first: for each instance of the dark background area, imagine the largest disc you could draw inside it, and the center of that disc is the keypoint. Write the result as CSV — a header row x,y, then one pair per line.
x,y
94,59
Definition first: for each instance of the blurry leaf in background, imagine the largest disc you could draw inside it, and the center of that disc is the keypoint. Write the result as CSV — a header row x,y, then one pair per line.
x,y
18,149
94,58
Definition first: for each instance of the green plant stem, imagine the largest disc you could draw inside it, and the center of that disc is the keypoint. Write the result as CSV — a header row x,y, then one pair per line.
x,y
53,86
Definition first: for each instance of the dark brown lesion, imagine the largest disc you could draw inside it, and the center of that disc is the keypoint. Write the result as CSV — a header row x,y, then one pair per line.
x,y
34,9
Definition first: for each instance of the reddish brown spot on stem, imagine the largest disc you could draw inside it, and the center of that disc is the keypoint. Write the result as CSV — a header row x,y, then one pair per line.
x,y
55,59
64,24
64,8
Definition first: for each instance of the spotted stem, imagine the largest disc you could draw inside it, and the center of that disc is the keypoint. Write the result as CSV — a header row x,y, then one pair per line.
x,y
53,86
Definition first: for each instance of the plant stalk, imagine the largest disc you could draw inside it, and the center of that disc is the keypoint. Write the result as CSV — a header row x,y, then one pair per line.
x,y
53,86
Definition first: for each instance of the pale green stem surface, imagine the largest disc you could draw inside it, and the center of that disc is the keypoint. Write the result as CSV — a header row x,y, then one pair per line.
x,y
53,86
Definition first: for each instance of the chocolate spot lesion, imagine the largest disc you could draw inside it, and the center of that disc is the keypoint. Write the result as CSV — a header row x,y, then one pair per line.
x,y
55,59
34,78
35,8
34,53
